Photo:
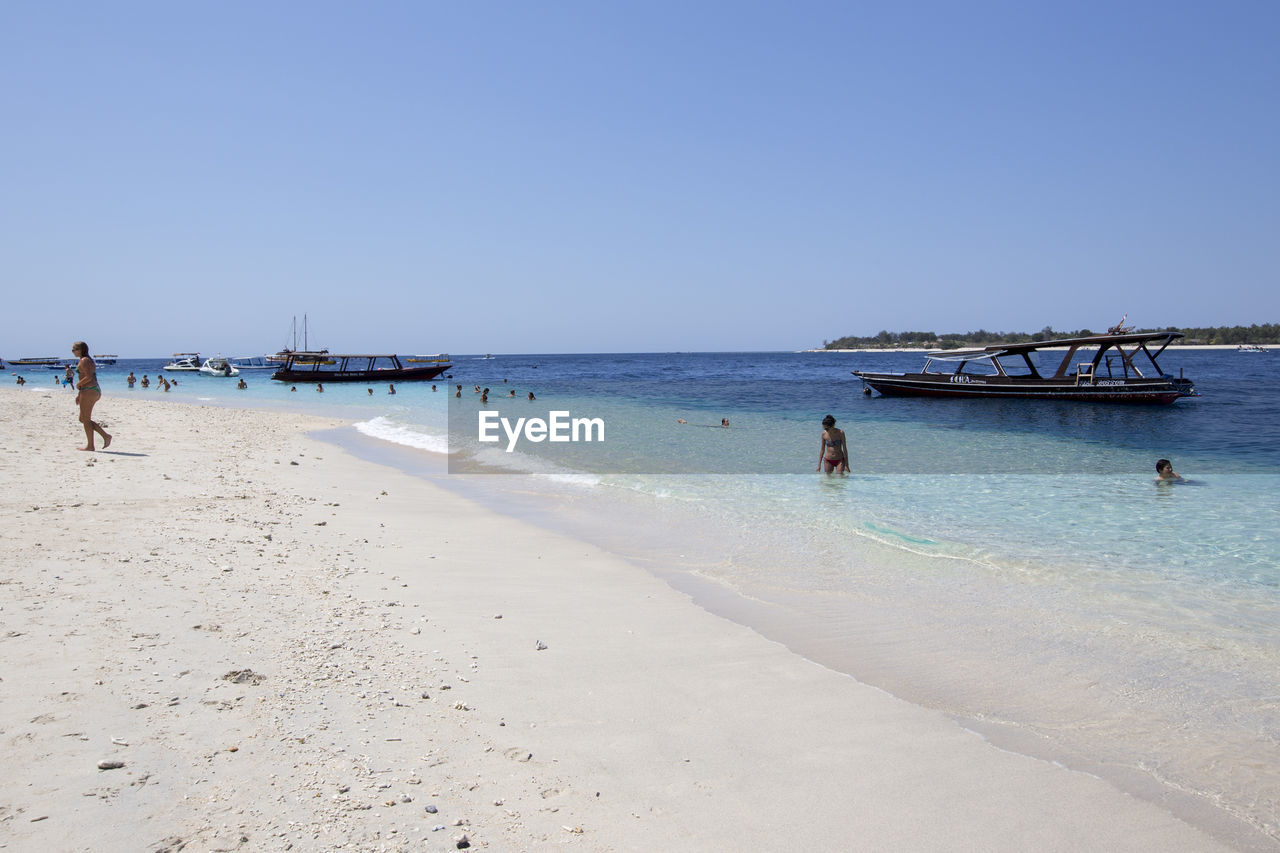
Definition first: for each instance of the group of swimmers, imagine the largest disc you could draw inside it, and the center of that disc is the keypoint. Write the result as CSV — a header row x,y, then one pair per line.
x,y
484,393
161,380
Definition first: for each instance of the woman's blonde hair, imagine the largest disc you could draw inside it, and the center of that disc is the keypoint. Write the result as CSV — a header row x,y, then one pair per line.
x,y
80,346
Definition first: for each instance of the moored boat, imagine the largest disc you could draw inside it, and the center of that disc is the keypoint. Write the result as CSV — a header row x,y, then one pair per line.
x,y
290,349
184,362
1099,368
105,359
48,361
253,362
218,366
339,367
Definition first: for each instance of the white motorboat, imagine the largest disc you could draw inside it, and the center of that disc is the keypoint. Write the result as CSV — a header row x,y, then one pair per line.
x,y
219,366
184,361
253,362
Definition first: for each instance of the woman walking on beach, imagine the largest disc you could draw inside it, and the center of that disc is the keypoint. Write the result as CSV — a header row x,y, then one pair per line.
x,y
834,452
87,394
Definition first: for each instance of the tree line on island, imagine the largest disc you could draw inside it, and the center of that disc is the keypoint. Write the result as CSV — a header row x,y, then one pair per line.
x,y
1260,334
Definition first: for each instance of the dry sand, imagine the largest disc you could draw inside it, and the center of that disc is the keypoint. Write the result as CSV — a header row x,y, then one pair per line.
x,y
288,648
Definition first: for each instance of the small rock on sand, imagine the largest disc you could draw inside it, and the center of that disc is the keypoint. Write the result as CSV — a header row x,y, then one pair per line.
x,y
244,676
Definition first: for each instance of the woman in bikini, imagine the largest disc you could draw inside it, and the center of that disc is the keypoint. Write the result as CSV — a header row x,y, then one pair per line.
x,y
88,393
834,452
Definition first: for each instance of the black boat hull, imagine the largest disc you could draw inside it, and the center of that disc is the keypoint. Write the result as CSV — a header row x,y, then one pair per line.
x,y
1134,391
319,374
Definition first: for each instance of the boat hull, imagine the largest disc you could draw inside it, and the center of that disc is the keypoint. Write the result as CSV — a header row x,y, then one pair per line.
x,y
221,369
403,374
1133,391
36,362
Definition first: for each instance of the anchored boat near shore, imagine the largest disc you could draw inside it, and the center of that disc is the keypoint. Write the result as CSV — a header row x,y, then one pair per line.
x,y
48,361
184,362
325,366
1099,368
219,366
253,362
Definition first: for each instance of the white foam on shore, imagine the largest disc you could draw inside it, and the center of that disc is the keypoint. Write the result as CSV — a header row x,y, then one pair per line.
x,y
575,479
496,459
384,429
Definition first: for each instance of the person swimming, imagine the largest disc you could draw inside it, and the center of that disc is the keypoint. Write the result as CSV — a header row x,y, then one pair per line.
x,y
1165,472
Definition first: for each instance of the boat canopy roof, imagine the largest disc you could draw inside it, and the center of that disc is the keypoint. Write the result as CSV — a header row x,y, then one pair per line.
x,y
1031,346
303,355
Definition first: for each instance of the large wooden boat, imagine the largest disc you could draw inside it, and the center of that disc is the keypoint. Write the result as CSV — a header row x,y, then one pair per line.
x,y
1110,368
337,367
48,361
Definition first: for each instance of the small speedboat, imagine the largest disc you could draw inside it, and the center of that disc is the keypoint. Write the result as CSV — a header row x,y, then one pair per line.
x,y
184,361
219,366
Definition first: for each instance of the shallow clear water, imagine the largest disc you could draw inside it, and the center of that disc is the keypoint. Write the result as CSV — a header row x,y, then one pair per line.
x,y
1010,562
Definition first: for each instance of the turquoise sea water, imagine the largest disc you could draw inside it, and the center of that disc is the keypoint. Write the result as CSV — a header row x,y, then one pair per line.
x,y
1012,563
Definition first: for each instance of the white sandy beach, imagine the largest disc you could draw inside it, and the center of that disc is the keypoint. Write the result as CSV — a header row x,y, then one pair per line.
x,y
289,648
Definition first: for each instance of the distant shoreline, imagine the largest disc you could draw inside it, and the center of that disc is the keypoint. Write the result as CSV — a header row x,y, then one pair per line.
x,y
980,346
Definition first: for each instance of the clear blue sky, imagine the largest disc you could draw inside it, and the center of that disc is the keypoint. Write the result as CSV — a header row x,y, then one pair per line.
x,y
594,176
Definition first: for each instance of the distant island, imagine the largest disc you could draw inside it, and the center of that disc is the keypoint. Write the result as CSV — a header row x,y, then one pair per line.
x,y
1266,333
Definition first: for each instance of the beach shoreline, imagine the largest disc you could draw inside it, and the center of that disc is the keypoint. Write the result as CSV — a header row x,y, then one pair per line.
x,y
289,647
